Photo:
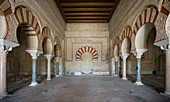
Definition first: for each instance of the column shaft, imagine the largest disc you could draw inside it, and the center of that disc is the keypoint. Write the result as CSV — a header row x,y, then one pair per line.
x,y
57,68
138,72
34,70
124,69
3,90
167,74
49,69
116,68
54,69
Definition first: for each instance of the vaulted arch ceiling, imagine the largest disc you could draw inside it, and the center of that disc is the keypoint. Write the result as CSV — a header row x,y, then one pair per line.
x,y
87,11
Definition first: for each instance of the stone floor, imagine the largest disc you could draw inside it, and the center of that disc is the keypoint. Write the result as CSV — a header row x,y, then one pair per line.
x,y
157,82
86,89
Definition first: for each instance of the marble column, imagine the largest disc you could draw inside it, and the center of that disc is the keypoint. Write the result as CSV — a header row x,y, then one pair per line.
x,y
3,58
113,67
116,68
138,68
57,66
49,57
167,69
116,65
124,57
34,69
167,75
54,68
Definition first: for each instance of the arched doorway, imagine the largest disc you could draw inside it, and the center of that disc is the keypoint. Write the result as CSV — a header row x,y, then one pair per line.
x,y
153,56
20,62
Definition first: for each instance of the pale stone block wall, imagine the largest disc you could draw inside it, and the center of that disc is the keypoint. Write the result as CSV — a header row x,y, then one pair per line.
x,y
94,35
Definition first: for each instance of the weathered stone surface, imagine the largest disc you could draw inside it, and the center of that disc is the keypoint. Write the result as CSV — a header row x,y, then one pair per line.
x,y
91,35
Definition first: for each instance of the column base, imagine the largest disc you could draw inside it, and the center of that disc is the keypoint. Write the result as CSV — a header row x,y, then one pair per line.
x,y
3,95
48,79
33,84
60,73
138,83
57,76
116,75
124,78
111,73
167,93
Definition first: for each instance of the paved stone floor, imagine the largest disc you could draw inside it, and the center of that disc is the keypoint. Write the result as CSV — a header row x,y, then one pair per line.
x,y
86,89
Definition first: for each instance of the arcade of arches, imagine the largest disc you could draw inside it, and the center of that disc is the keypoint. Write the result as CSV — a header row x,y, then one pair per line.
x,y
127,41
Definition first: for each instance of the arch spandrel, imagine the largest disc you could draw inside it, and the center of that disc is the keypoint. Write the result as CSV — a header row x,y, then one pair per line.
x,y
5,14
3,25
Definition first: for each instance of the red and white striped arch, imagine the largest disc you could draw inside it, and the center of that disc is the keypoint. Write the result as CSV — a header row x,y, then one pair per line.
x,y
89,49
127,33
116,42
28,21
148,15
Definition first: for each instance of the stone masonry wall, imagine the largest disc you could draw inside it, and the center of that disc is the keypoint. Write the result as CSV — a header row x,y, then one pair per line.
x,y
86,36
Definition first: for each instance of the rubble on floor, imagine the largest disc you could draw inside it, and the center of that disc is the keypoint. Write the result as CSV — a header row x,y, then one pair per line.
x,y
16,82
156,82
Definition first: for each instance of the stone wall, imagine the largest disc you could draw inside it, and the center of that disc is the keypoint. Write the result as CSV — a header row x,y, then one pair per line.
x,y
81,38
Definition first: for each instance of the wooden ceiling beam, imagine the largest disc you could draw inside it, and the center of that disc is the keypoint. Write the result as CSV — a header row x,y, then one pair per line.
x,y
87,21
87,12
91,14
87,4
60,8
86,9
87,0
87,17
113,9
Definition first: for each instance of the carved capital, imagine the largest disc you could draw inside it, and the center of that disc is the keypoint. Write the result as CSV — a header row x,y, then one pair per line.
x,y
34,55
5,49
166,48
124,57
49,56
138,54
116,58
57,59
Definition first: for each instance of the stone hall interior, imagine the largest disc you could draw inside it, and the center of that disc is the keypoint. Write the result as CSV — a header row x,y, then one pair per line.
x,y
84,51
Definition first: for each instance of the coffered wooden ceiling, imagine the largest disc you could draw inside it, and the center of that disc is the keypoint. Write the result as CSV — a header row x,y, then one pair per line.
x,y
87,11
